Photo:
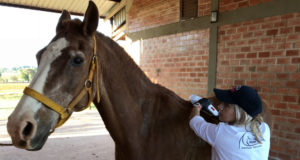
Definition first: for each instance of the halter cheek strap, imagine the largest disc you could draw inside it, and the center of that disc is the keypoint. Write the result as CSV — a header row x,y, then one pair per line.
x,y
65,113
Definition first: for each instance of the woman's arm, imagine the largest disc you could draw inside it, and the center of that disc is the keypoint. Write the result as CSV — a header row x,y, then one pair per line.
x,y
206,131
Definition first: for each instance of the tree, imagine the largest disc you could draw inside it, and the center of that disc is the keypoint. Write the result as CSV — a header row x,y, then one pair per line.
x,y
27,74
13,78
31,73
24,75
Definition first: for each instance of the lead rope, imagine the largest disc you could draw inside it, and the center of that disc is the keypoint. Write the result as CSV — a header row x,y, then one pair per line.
x,y
6,144
97,70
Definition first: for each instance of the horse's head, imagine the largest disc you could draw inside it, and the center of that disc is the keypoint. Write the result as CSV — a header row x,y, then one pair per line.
x,y
64,66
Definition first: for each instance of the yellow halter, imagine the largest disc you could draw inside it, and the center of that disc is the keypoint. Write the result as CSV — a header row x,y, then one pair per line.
x,y
65,113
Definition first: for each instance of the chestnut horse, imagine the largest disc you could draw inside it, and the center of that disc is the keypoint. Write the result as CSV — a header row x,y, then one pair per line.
x,y
145,120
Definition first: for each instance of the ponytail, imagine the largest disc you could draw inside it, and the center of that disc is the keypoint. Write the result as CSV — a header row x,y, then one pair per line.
x,y
242,118
254,126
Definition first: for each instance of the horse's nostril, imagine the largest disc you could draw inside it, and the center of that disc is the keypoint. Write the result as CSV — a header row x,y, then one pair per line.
x,y
27,129
22,143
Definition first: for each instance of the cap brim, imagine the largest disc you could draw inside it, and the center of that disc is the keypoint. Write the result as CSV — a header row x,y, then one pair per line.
x,y
224,96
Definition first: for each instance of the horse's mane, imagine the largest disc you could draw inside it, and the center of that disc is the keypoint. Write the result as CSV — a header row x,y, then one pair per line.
x,y
123,57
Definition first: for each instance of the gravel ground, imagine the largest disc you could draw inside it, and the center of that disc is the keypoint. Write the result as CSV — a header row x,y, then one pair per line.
x,y
82,137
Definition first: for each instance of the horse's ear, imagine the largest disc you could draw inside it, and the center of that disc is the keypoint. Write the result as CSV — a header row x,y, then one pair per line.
x,y
64,17
91,17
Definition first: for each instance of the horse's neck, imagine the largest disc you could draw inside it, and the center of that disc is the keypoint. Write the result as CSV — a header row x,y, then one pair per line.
x,y
123,89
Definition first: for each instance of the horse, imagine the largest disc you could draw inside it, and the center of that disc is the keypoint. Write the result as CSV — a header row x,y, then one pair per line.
x,y
80,65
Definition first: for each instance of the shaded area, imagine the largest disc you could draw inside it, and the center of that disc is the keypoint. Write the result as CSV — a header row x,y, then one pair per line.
x,y
84,136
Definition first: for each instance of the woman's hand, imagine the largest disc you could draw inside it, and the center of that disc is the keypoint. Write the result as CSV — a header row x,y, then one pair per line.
x,y
196,110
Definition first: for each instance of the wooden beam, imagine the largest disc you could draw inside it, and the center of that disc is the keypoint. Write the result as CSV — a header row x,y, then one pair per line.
x,y
119,36
115,9
213,52
120,30
118,1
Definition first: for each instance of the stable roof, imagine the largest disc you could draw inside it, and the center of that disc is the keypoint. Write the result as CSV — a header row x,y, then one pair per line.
x,y
75,7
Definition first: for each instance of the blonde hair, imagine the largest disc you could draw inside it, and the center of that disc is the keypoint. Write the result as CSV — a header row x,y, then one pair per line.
x,y
242,118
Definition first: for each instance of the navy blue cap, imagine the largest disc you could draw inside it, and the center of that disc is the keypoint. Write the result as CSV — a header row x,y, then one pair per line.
x,y
244,96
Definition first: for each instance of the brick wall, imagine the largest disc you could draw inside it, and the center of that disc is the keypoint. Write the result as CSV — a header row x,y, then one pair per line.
x,y
229,5
265,54
146,14
179,62
203,7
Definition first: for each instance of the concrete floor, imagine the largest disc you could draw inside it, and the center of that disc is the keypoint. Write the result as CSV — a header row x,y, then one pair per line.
x,y
82,137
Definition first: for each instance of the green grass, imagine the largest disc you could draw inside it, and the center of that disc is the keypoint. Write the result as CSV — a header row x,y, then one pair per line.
x,y
12,96
9,100
12,87
7,104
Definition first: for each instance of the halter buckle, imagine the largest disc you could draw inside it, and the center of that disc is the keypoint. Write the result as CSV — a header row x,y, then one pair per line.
x,y
88,83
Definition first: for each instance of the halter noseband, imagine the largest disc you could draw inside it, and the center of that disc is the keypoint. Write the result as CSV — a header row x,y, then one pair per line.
x,y
65,113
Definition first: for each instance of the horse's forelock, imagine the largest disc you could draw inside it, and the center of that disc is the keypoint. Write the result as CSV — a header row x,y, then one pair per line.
x,y
71,25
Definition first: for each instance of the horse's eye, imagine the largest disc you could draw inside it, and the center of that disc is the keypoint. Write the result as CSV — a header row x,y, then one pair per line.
x,y
77,61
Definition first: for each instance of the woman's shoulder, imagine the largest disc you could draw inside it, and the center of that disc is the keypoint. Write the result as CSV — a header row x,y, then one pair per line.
x,y
264,127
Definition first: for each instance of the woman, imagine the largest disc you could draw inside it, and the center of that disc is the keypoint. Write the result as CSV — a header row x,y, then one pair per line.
x,y
241,134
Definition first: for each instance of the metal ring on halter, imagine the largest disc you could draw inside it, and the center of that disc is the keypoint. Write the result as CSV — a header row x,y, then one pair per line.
x,y
88,83
94,58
